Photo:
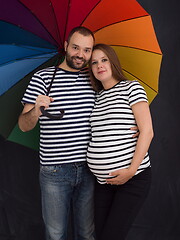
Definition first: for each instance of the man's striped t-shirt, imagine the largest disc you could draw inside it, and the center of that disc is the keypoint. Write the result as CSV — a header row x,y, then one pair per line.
x,y
112,146
64,140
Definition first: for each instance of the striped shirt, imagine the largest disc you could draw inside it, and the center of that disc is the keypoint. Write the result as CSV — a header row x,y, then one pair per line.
x,y
112,146
64,140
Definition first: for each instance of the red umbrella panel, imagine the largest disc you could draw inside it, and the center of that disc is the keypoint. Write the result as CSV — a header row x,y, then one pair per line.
x,y
39,29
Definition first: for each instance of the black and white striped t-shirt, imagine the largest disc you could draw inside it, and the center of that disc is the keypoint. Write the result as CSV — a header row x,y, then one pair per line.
x,y
64,140
112,146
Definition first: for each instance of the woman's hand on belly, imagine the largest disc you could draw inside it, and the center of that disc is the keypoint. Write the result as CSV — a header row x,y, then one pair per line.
x,y
120,176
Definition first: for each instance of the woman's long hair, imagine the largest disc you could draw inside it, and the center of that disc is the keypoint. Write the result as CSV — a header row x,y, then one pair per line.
x,y
116,68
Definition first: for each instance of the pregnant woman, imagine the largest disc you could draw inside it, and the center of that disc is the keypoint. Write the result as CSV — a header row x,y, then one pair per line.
x,y
119,161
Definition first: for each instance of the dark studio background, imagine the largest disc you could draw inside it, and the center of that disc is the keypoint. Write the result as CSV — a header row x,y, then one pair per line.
x,y
159,219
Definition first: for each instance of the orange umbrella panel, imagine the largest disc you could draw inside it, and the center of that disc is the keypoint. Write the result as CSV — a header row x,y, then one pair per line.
x,y
137,47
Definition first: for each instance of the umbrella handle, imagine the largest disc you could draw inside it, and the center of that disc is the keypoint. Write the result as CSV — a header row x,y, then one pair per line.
x,y
51,116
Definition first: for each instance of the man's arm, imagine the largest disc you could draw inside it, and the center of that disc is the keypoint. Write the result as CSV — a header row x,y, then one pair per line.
x,y
31,113
28,118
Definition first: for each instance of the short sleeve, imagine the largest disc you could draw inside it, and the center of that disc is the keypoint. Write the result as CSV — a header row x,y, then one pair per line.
x,y
136,93
35,88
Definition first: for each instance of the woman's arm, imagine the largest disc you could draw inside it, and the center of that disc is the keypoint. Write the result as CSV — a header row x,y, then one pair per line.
x,y
144,122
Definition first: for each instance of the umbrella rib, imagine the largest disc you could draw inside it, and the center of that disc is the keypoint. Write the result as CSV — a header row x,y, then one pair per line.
x,y
137,49
5,21
27,57
31,48
57,28
119,22
139,79
90,12
39,22
67,16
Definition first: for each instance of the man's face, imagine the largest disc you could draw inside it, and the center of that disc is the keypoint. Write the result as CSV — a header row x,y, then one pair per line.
x,y
78,51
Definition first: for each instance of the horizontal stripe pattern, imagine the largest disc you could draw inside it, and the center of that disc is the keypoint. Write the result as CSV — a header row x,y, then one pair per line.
x,y
112,146
64,140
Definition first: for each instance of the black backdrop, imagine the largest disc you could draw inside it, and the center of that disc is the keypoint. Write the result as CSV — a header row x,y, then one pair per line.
x,y
20,208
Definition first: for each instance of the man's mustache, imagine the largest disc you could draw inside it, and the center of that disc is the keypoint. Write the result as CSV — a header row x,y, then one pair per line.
x,y
80,58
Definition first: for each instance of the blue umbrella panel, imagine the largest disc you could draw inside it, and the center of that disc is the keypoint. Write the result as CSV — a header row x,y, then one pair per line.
x,y
21,54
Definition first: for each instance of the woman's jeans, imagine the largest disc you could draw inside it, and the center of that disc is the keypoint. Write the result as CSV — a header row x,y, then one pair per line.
x,y
63,186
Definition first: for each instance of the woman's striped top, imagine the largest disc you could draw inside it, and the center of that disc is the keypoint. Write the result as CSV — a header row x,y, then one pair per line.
x,y
64,140
112,146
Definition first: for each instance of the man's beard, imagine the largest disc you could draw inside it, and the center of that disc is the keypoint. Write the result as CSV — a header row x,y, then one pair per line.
x,y
75,65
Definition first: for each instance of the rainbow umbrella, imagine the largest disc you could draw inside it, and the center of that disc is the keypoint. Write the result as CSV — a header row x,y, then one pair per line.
x,y
33,33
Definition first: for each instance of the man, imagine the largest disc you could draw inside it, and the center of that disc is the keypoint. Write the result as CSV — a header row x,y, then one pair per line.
x,y
64,176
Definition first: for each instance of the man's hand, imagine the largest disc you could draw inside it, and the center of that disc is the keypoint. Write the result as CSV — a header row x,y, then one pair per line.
x,y
31,113
44,101
135,129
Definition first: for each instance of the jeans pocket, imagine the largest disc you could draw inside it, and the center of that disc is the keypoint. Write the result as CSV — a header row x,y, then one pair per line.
x,y
51,170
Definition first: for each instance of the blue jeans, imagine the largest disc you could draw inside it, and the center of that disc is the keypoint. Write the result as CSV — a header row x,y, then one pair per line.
x,y
63,186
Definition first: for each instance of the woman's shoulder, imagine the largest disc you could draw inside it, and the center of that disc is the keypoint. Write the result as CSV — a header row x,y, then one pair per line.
x,y
129,82
126,84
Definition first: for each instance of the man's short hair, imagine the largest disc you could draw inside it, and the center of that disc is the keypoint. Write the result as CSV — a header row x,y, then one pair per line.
x,y
82,30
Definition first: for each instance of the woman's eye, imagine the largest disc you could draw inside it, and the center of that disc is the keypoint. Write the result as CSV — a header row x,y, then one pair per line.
x,y
104,60
93,63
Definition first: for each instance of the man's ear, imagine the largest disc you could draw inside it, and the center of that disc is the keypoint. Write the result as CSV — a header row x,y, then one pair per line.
x,y
65,45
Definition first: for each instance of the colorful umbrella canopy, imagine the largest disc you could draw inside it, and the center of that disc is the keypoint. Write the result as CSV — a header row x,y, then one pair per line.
x,y
33,32
128,28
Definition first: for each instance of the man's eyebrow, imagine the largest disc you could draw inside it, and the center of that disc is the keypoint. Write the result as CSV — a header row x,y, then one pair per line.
x,y
88,48
75,45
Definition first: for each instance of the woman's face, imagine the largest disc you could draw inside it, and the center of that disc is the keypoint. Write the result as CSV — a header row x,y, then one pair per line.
x,y
101,66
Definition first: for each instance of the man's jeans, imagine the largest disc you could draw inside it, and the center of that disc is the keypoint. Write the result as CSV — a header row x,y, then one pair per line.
x,y
62,186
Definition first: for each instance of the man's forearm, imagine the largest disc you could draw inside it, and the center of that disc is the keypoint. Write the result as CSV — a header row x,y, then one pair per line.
x,y
28,120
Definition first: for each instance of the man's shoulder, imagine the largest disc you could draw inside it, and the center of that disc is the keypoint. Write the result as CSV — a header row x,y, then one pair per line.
x,y
48,70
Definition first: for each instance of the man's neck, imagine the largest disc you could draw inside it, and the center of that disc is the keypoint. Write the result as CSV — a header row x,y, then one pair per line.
x,y
64,66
